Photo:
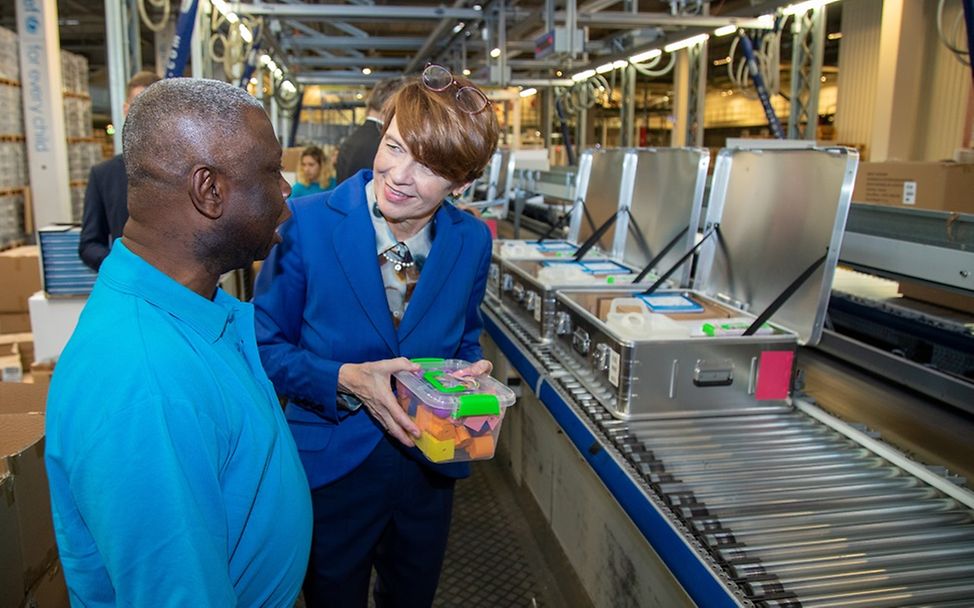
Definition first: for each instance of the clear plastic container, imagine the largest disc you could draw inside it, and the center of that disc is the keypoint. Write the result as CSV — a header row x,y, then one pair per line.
x,y
459,418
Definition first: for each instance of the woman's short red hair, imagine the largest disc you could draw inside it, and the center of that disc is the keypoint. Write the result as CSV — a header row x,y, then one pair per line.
x,y
454,144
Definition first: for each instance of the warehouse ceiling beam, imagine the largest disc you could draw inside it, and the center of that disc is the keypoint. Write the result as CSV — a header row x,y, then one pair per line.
x,y
386,43
439,32
313,33
344,78
751,12
350,62
321,12
632,20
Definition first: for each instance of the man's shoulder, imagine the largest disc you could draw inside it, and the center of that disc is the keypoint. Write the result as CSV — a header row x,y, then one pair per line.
x,y
122,347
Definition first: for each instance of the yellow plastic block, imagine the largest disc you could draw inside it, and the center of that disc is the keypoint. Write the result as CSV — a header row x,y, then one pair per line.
x,y
437,450
481,447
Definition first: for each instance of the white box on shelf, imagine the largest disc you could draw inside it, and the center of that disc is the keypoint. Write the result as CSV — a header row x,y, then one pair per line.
x,y
53,321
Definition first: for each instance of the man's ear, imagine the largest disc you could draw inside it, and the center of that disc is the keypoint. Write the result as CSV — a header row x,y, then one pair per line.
x,y
207,190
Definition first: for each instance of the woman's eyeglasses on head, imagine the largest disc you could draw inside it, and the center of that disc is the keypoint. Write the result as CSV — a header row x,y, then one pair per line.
x,y
469,99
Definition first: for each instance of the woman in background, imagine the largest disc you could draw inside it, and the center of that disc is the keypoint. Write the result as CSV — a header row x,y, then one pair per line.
x,y
311,173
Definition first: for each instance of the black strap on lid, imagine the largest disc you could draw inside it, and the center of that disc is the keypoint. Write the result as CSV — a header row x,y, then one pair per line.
x,y
686,256
785,295
656,260
592,240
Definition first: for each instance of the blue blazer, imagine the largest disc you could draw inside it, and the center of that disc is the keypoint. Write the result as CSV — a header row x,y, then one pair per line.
x,y
320,303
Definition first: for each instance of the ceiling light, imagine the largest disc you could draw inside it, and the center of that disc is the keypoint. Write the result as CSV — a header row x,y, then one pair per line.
x,y
646,56
558,73
834,36
528,92
495,52
723,61
605,67
222,7
725,30
253,81
459,27
584,75
264,59
686,43
245,33
288,86
271,66
803,7
477,7
620,63
466,72
822,79
359,96
366,71
766,21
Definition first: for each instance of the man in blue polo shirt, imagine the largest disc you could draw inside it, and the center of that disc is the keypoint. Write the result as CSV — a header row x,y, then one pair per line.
x,y
174,479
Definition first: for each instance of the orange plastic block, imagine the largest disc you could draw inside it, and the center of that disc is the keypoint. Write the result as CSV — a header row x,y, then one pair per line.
x,y
463,437
481,447
437,450
441,428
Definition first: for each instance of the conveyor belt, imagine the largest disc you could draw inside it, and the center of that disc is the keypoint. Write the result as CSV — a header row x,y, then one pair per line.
x,y
789,509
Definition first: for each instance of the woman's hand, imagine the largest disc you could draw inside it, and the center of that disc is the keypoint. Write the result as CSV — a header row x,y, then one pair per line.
x,y
479,368
371,383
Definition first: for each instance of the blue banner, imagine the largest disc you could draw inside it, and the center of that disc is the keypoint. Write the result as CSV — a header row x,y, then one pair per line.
x,y
179,53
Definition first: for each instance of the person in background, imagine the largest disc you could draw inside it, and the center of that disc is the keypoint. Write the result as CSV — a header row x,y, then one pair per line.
x,y
311,174
358,150
106,198
174,479
370,274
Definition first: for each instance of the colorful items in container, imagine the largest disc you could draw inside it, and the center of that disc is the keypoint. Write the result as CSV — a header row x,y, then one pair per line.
x,y
459,417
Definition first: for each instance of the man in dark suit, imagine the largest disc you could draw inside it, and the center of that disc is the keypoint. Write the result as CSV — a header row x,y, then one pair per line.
x,y
358,150
106,199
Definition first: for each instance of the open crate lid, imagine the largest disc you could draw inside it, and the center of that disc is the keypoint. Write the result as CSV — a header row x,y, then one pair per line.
x,y
667,196
603,186
779,211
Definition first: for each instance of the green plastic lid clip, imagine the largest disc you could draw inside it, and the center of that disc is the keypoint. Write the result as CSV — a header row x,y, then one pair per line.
x,y
477,405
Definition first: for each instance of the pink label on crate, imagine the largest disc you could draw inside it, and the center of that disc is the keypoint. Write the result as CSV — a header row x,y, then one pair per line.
x,y
774,374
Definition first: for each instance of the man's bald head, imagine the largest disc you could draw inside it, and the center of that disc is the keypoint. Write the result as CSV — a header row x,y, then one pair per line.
x,y
181,122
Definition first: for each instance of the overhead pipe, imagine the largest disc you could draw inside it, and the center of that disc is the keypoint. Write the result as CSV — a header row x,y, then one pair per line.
x,y
442,27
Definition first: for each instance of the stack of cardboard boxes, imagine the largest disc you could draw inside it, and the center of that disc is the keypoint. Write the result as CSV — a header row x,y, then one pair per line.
x,y
30,574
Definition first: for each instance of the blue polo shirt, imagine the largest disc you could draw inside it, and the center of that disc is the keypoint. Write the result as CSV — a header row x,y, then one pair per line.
x,y
174,479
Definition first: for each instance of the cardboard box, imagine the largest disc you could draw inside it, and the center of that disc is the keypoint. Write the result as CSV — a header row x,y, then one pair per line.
x,y
11,558
20,274
23,397
14,322
22,451
53,321
939,186
50,591
11,369
939,297
41,373
22,343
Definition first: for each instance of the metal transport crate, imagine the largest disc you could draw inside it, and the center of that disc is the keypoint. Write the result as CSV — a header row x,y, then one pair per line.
x,y
772,236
